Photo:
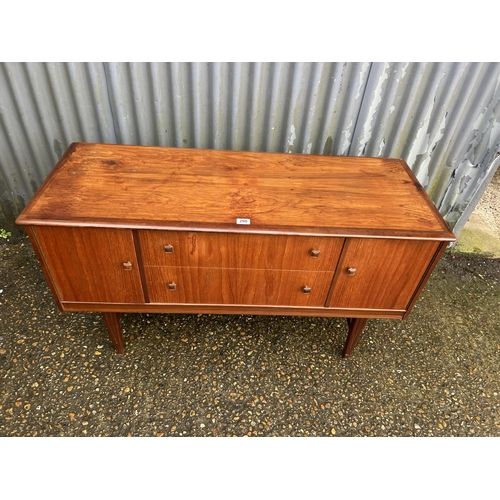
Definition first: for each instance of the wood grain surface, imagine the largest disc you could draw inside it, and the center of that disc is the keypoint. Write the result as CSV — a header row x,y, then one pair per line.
x,y
171,308
256,251
387,273
113,185
237,286
86,264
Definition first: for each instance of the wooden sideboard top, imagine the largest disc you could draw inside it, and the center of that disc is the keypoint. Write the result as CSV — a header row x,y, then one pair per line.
x,y
154,187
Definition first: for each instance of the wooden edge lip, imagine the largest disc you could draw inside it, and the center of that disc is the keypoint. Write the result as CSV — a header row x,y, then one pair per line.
x,y
230,309
341,232
429,202
230,151
23,218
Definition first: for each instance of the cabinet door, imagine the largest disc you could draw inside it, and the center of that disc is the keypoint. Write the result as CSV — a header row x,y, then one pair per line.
x,y
380,273
91,264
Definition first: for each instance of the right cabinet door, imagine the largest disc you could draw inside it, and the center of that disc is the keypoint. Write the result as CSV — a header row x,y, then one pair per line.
x,y
380,273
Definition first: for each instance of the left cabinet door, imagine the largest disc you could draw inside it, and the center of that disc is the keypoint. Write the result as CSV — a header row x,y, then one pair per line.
x,y
91,264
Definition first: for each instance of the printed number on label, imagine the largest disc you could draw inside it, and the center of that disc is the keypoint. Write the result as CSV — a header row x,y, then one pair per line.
x,y
243,221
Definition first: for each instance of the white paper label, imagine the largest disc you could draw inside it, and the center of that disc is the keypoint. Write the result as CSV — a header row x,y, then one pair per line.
x,y
243,221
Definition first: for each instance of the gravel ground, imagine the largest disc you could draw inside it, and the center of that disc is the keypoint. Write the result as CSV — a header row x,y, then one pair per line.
x,y
435,374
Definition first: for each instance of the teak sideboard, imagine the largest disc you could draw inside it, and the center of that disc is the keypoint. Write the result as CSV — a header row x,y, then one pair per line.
x,y
174,230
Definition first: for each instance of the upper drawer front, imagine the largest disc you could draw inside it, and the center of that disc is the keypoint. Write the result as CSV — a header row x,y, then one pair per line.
x,y
255,251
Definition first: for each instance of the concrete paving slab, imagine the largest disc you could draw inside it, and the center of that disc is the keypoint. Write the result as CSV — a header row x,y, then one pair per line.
x,y
481,233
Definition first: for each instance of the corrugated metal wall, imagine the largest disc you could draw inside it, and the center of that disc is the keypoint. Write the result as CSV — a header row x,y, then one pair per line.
x,y
442,118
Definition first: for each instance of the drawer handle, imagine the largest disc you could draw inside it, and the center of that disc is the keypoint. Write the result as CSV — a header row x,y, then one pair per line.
x,y
351,271
127,266
168,248
315,253
172,286
306,290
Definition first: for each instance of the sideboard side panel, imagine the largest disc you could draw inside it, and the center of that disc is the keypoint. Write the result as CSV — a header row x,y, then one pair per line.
x,y
43,264
439,252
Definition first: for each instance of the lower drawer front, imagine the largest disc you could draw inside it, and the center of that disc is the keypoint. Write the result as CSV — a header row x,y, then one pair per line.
x,y
190,285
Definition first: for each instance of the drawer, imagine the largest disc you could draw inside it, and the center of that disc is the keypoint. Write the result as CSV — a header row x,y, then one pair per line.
x,y
252,251
237,286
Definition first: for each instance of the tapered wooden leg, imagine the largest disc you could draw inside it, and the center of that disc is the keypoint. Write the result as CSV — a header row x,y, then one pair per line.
x,y
112,321
356,326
